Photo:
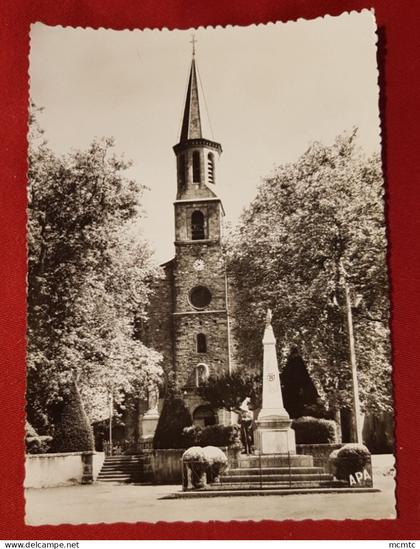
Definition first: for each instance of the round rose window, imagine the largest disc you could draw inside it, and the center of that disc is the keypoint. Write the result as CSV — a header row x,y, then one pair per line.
x,y
200,297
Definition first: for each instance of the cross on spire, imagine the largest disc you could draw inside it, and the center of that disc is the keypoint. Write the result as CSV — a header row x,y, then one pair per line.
x,y
193,41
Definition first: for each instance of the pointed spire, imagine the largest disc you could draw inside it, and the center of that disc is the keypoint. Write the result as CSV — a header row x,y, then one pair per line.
x,y
191,122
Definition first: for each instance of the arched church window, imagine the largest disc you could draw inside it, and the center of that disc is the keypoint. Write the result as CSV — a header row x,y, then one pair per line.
x,y
181,171
197,225
210,167
201,343
196,167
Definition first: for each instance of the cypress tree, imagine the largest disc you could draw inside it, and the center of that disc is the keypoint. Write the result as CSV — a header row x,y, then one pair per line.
x,y
73,432
174,417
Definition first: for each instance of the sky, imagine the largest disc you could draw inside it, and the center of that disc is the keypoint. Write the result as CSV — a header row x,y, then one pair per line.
x,y
270,91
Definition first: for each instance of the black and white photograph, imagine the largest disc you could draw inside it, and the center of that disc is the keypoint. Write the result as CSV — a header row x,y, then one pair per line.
x,y
208,314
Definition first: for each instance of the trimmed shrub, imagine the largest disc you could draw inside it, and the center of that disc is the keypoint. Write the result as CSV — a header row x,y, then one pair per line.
x,y
214,455
311,430
221,435
350,459
37,445
217,462
191,435
73,432
174,417
194,454
198,464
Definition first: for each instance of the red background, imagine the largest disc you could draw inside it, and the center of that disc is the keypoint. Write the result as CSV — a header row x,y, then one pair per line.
x,y
399,62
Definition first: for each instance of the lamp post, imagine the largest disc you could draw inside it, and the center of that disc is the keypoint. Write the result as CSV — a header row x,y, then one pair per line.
x,y
353,363
111,415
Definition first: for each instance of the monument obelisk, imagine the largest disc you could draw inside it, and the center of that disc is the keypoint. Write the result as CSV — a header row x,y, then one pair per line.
x,y
273,434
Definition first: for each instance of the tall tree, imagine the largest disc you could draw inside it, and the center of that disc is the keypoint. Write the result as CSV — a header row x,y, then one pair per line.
x,y
310,222
229,390
88,280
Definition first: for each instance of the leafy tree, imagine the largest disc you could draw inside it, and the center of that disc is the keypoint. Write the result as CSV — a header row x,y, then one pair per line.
x,y
229,390
310,222
88,280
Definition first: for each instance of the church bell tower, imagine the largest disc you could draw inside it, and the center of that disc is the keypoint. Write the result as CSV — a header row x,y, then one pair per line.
x,y
200,314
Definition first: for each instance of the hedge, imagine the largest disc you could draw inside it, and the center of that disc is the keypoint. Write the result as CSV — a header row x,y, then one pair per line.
x,y
311,430
214,435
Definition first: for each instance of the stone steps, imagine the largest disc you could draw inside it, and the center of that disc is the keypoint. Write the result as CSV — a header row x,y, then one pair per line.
x,y
267,492
327,483
274,470
117,467
273,460
275,473
264,477
126,469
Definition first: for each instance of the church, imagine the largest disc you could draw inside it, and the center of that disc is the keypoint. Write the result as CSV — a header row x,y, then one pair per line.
x,y
190,312
192,308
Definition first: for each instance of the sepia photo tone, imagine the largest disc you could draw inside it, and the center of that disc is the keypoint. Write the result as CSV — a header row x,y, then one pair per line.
x,y
208,301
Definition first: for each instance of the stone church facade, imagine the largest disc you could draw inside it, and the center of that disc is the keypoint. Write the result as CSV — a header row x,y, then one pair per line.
x,y
190,317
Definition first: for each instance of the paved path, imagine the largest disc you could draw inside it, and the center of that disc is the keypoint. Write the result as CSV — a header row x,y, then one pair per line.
x,y
128,503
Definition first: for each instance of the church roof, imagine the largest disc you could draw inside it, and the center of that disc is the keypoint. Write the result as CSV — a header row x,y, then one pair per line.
x,y
191,122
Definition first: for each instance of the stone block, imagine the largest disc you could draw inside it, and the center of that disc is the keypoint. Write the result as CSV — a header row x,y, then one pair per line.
x,y
275,441
148,424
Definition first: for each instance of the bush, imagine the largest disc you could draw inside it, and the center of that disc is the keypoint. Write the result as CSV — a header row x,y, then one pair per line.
x,y
217,462
221,435
350,459
198,463
311,430
195,454
174,417
210,460
214,455
213,435
37,445
72,432
191,435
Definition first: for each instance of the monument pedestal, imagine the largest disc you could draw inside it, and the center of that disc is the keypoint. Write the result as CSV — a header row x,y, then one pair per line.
x,y
149,420
148,424
274,436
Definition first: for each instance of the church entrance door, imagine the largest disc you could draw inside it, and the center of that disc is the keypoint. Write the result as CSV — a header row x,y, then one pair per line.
x,y
204,416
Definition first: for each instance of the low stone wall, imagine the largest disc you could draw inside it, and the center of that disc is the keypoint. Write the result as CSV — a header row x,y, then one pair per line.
x,y
167,466
319,452
49,470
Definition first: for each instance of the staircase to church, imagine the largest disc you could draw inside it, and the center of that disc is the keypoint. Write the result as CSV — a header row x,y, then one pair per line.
x,y
127,469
